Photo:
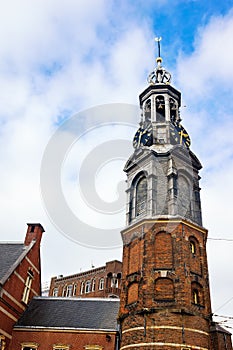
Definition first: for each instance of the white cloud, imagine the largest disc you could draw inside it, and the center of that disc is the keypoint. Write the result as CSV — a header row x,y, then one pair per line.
x,y
205,78
210,65
57,58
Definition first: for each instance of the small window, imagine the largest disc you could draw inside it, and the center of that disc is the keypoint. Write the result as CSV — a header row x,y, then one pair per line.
x,y
196,299
114,282
101,284
74,289
2,342
69,290
61,347
29,346
27,288
82,287
55,292
88,287
93,285
192,247
64,291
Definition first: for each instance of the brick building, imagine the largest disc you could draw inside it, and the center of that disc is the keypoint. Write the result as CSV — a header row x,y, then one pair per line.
x,y
68,323
165,302
165,299
104,281
20,279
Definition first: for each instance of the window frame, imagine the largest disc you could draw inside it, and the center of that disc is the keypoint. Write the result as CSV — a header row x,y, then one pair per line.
x,y
141,204
87,287
82,287
55,291
61,347
27,287
74,289
93,285
29,345
101,283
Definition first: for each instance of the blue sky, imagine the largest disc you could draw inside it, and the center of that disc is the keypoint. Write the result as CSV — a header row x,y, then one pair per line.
x,y
59,58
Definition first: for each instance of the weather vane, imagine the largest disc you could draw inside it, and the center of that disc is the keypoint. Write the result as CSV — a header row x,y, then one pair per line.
x,y
159,74
158,39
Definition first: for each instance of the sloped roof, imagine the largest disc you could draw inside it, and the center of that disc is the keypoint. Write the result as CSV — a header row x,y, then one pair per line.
x,y
10,254
215,327
70,313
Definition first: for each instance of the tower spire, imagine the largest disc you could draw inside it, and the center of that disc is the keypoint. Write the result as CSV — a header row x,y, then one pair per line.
x,y
159,75
158,39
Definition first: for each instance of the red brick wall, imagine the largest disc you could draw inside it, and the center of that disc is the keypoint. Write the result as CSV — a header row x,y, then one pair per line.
x,y
76,340
112,269
12,290
166,273
220,339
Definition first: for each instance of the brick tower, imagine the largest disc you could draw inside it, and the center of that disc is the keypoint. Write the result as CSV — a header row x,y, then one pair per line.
x,y
165,300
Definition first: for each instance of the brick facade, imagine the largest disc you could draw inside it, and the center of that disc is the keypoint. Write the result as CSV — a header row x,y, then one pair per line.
x,y
68,323
67,339
101,282
165,299
21,282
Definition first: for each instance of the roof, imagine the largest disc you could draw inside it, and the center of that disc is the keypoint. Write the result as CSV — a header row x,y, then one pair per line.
x,y
10,256
70,313
215,327
85,273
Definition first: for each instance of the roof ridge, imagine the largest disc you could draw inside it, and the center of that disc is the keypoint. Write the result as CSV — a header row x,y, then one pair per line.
x,y
12,242
74,298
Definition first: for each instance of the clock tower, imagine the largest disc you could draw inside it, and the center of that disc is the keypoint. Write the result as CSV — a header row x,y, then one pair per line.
x,y
165,300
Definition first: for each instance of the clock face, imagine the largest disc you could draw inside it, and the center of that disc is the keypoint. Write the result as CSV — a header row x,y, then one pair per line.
x,y
143,137
179,135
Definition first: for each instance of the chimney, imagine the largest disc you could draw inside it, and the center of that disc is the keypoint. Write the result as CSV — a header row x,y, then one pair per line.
x,y
34,232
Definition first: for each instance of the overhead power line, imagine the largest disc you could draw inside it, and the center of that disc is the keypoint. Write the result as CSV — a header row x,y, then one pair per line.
x,y
220,239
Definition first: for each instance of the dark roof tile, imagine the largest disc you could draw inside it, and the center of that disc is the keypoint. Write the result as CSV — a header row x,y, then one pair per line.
x,y
71,313
9,254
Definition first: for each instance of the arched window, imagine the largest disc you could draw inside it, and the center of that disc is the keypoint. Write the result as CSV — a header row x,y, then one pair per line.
x,y
55,292
74,289
160,109
197,294
192,247
93,285
88,287
114,282
82,287
101,284
195,256
196,299
141,196
64,291
173,110
69,290
147,111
